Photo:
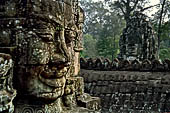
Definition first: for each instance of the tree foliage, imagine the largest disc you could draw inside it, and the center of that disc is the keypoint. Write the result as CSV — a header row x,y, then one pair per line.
x,y
126,8
89,46
104,26
105,20
163,29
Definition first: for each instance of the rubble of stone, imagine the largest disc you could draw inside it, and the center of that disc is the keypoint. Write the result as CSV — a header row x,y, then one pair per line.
x,y
138,40
125,65
7,93
43,38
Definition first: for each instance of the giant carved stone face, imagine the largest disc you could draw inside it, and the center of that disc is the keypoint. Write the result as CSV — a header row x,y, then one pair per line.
x,y
42,35
44,53
44,61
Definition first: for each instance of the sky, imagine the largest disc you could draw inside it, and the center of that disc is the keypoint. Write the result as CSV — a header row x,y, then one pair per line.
x,y
152,2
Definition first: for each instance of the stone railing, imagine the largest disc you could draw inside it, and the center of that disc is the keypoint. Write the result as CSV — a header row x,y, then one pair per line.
x,y
125,65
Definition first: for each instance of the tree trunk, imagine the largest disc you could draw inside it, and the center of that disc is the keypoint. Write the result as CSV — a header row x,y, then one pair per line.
x,y
159,28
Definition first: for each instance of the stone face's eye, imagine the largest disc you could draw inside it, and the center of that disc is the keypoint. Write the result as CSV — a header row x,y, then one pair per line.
x,y
45,34
47,37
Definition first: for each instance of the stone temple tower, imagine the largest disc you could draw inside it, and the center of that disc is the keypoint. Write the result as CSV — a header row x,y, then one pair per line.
x,y
138,40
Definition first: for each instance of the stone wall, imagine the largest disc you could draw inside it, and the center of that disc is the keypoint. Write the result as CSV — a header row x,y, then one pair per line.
x,y
129,91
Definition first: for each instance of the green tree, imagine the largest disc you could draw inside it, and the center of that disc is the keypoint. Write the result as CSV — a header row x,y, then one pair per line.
x,y
165,24
106,48
89,47
164,53
104,25
163,28
126,8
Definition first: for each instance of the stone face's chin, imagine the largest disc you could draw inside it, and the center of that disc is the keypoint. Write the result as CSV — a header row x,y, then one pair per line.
x,y
48,88
54,88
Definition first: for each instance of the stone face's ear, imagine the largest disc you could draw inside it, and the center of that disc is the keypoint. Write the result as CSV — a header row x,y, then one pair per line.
x,y
7,93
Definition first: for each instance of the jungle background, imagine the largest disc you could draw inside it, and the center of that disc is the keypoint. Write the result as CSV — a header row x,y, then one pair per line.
x,y
105,20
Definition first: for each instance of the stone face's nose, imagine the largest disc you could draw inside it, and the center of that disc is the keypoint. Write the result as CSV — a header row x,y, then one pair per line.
x,y
60,53
58,58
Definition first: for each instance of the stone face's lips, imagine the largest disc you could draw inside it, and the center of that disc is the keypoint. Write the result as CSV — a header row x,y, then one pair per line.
x,y
53,72
57,82
45,34
49,75
47,37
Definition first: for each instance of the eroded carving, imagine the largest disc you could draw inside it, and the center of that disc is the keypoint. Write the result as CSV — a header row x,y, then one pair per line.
x,y
44,39
115,64
138,40
126,65
107,64
99,64
7,93
136,65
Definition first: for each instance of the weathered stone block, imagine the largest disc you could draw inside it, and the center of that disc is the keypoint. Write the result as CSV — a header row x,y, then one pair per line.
x,y
92,103
102,83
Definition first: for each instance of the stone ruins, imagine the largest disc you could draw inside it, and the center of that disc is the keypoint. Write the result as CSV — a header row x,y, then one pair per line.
x,y
129,91
135,82
40,41
40,44
138,40
7,93
125,65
